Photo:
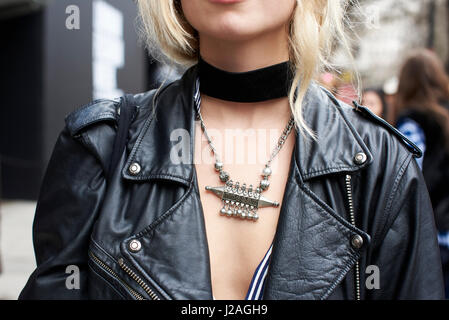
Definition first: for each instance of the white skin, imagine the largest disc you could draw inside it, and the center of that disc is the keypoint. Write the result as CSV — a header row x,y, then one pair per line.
x,y
238,37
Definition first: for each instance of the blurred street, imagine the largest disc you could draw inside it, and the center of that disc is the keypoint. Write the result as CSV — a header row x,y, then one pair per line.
x,y
16,247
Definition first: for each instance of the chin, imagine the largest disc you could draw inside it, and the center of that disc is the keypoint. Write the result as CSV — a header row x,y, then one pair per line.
x,y
241,21
231,27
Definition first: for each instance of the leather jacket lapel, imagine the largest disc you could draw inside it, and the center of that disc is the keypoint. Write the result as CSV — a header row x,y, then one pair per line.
x,y
175,252
311,250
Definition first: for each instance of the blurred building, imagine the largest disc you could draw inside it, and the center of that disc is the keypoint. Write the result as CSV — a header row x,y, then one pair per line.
x,y
387,30
52,63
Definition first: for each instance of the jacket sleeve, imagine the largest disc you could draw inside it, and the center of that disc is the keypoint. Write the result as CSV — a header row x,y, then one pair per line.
x,y
69,201
408,255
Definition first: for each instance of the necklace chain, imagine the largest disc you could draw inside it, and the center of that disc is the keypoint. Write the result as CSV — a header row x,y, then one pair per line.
x,y
224,176
240,201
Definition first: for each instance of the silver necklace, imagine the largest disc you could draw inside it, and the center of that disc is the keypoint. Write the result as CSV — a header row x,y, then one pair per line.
x,y
240,201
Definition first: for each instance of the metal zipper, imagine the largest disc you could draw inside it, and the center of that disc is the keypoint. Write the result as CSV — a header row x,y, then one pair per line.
x,y
352,220
112,273
137,279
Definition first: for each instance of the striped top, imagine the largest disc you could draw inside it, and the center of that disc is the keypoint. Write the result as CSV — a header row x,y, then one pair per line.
x,y
413,131
443,239
257,285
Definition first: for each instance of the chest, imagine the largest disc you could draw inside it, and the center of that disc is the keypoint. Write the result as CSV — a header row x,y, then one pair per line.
x,y
237,246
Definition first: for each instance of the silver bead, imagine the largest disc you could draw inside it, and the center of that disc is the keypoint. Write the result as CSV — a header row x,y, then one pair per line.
x,y
264,184
229,213
223,211
224,176
266,172
218,166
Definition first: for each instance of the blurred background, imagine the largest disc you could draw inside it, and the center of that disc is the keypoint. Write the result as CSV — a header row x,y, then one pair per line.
x,y
52,63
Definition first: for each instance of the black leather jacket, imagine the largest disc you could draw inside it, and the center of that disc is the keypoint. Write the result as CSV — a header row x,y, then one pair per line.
x,y
353,200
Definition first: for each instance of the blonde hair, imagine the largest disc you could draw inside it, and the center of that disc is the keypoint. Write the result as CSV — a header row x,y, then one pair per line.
x,y
314,27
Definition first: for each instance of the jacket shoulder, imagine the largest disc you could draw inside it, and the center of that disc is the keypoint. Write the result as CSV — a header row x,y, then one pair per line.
x,y
105,111
361,113
97,111
94,125
366,113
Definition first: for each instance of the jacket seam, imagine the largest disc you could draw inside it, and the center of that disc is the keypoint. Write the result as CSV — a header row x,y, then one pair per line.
x,y
161,176
97,101
99,247
90,147
143,133
84,107
312,174
349,263
330,211
360,142
354,132
94,119
379,235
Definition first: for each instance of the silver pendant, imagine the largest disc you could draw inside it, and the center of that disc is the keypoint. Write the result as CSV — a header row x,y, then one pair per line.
x,y
241,202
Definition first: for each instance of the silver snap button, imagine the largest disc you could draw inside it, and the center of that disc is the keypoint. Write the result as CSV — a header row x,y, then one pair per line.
x,y
135,245
360,158
357,241
134,168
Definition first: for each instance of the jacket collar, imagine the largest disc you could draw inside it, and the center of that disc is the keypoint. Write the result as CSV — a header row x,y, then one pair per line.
x,y
164,147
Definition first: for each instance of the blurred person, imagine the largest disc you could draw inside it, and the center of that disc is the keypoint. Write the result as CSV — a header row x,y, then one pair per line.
x,y
422,104
329,81
390,89
345,90
374,99
130,199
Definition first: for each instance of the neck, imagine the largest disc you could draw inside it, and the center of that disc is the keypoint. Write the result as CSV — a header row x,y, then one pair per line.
x,y
264,114
245,55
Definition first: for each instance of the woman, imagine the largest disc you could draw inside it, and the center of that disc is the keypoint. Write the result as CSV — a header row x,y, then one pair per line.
x,y
423,108
171,221
374,99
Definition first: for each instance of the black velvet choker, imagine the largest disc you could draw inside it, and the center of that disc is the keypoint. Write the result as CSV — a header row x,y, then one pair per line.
x,y
268,83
